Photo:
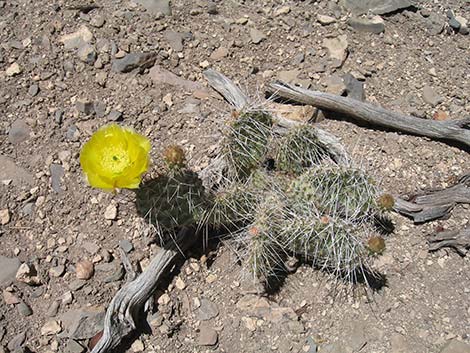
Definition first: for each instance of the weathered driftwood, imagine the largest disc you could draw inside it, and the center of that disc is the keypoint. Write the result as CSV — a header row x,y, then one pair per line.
x,y
459,240
240,101
129,301
437,204
451,130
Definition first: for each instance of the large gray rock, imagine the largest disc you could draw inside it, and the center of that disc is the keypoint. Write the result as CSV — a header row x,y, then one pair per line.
x,y
8,268
156,6
379,7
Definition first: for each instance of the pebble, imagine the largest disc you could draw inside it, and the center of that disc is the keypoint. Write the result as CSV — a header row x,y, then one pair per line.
x,y
256,36
33,90
431,97
325,20
207,336
337,48
24,309
53,308
284,10
57,173
10,298
76,285
13,70
179,283
249,323
335,85
207,310
19,131
126,245
84,269
87,54
52,327
375,24
164,299
77,39
57,271
354,87
137,346
85,106
111,212
211,278
17,342
133,61
175,40
440,115
67,298
115,115
17,175
219,53
212,8
74,347
4,217
97,21
27,274
156,6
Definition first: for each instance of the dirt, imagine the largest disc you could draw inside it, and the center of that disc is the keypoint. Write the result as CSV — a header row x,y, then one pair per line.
x,y
53,98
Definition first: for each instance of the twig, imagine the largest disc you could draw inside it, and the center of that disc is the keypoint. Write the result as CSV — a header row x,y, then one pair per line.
x,y
459,240
437,204
130,299
455,130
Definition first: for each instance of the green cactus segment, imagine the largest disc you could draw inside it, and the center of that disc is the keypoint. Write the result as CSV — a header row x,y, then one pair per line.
x,y
332,244
247,143
172,201
336,190
299,149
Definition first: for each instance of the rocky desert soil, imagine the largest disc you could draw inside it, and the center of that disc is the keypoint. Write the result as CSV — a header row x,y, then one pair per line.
x,y
69,67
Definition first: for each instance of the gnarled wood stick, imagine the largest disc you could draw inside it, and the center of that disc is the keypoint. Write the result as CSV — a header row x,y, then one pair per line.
x,y
459,240
130,299
452,130
437,204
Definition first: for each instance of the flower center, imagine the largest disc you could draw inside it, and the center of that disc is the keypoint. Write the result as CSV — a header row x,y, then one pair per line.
x,y
115,160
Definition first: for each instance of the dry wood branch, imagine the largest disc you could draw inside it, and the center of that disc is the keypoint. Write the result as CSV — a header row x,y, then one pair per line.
x,y
130,299
436,204
459,240
455,130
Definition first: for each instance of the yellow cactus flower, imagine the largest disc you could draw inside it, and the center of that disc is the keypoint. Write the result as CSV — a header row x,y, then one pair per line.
x,y
115,157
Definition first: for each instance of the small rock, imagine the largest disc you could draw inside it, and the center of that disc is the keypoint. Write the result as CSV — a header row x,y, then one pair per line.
x,y
24,309
4,217
16,343
207,336
179,283
325,20
212,9
67,298
219,53
74,347
13,70
99,108
440,115
374,24
126,245
10,298
18,176
57,173
133,61
175,40
207,310
111,212
19,131
138,346
455,346
211,278
337,48
73,134
53,308
354,87
115,115
76,39
84,269
156,6
27,274
76,285
33,90
379,7
87,54
97,21
289,76
57,271
431,97
249,323
51,328
284,10
85,106
335,85
257,36
82,324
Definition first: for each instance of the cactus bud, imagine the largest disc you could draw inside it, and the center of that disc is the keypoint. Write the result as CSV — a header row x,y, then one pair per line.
x,y
386,202
174,157
376,245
